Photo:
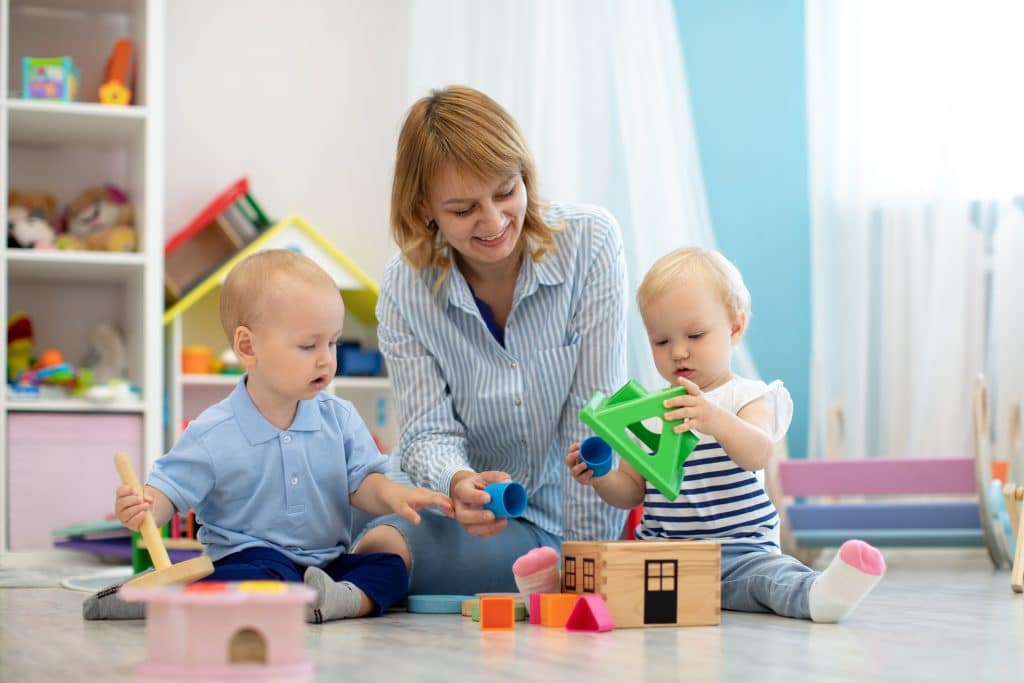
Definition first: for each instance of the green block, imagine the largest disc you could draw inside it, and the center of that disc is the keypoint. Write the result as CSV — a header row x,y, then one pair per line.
x,y
615,417
140,556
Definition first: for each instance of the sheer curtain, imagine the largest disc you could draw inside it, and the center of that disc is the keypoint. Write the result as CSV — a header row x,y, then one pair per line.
x,y
916,125
600,92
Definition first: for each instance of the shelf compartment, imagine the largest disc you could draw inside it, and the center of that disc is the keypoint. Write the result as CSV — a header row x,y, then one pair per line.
x,y
72,405
29,265
39,122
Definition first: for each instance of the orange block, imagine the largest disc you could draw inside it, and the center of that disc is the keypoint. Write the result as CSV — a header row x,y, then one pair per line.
x,y
555,608
497,613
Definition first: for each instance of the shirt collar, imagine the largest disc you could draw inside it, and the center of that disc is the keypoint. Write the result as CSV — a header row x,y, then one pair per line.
x,y
256,428
550,270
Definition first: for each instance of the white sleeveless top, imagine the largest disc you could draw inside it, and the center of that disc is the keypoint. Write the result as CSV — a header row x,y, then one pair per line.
x,y
719,500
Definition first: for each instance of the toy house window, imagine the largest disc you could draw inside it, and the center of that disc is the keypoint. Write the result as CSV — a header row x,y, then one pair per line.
x,y
569,581
661,575
588,576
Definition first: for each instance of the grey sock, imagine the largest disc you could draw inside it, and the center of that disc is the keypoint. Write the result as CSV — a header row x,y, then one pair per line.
x,y
107,604
334,599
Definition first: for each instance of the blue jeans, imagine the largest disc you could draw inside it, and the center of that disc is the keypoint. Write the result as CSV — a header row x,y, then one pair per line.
x,y
382,576
448,560
757,581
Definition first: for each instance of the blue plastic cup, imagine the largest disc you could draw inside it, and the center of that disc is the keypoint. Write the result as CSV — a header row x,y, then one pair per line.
x,y
508,499
596,452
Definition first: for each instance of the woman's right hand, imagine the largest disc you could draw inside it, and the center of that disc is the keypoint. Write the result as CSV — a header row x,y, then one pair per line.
x,y
130,508
468,495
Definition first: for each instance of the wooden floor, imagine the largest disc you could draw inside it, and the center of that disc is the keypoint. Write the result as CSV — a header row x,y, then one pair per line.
x,y
935,617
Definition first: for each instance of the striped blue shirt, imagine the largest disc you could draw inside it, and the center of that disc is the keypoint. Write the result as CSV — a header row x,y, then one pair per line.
x,y
719,500
465,402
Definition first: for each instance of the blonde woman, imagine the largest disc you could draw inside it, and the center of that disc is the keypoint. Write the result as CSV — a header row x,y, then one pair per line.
x,y
498,319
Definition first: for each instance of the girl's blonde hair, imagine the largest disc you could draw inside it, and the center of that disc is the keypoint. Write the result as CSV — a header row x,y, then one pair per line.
x,y
250,283
720,272
464,127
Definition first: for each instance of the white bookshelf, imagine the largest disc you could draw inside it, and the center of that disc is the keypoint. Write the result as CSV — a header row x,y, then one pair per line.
x,y
63,148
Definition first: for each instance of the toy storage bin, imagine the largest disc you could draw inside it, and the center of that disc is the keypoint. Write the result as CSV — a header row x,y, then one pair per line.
x,y
60,471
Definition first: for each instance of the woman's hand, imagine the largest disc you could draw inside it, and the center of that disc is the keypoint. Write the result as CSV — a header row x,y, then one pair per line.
x,y
468,495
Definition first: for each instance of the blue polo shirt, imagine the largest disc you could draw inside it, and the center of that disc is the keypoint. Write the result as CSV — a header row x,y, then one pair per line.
x,y
254,485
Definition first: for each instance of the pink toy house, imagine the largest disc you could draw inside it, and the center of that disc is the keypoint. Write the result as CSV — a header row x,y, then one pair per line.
x,y
225,630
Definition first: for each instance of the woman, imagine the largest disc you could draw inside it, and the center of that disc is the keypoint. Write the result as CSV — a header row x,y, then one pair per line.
x,y
498,320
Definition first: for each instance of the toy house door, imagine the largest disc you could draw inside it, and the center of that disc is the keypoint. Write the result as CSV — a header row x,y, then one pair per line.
x,y
661,580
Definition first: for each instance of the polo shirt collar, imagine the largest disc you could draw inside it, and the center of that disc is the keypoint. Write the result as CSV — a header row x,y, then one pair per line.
x,y
256,428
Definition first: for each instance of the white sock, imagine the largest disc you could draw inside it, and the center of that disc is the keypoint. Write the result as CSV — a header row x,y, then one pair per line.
x,y
537,572
334,599
851,575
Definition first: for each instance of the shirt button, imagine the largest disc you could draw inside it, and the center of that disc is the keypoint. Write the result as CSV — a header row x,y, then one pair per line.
x,y
513,365
286,438
522,441
519,401
295,480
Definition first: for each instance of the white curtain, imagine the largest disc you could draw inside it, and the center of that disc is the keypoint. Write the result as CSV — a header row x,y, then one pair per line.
x,y
599,88
916,127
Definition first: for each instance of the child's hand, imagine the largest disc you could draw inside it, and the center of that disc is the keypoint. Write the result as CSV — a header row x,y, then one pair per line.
x,y
407,501
578,468
700,414
130,508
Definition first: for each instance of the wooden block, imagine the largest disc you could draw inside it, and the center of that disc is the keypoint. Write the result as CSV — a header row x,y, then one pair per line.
x,y
469,605
555,608
648,583
474,611
534,608
497,613
868,477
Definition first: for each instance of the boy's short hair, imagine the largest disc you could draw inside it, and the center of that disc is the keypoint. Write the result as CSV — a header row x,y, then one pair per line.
x,y
676,265
245,290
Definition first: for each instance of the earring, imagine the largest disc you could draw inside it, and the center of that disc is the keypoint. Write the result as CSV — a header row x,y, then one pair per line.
x,y
431,225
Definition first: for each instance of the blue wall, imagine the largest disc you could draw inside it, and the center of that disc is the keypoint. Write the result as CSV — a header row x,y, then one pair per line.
x,y
745,64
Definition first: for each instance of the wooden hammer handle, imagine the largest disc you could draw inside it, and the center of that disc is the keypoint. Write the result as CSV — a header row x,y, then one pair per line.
x,y
154,542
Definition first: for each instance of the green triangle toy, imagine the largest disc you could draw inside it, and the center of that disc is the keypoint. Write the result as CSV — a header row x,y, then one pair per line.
x,y
615,417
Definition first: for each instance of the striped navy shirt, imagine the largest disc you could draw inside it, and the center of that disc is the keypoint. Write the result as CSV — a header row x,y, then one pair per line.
x,y
466,402
719,500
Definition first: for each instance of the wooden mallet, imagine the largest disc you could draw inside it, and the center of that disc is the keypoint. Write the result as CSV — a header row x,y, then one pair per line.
x,y
164,573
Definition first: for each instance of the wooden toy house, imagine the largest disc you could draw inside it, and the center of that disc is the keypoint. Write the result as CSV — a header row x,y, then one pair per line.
x,y
648,583
225,225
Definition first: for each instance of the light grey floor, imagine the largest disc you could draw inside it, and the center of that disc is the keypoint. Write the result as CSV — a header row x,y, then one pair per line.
x,y
935,617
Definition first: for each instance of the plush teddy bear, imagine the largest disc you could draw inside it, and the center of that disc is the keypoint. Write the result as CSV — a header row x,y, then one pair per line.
x,y
30,219
96,210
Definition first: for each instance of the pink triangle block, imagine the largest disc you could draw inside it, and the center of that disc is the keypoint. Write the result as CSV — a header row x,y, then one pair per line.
x,y
590,614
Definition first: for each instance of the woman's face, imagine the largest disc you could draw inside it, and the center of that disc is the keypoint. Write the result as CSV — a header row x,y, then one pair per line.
x,y
482,219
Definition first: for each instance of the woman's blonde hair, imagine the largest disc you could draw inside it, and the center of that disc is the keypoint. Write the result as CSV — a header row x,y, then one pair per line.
x,y
461,126
674,266
244,294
